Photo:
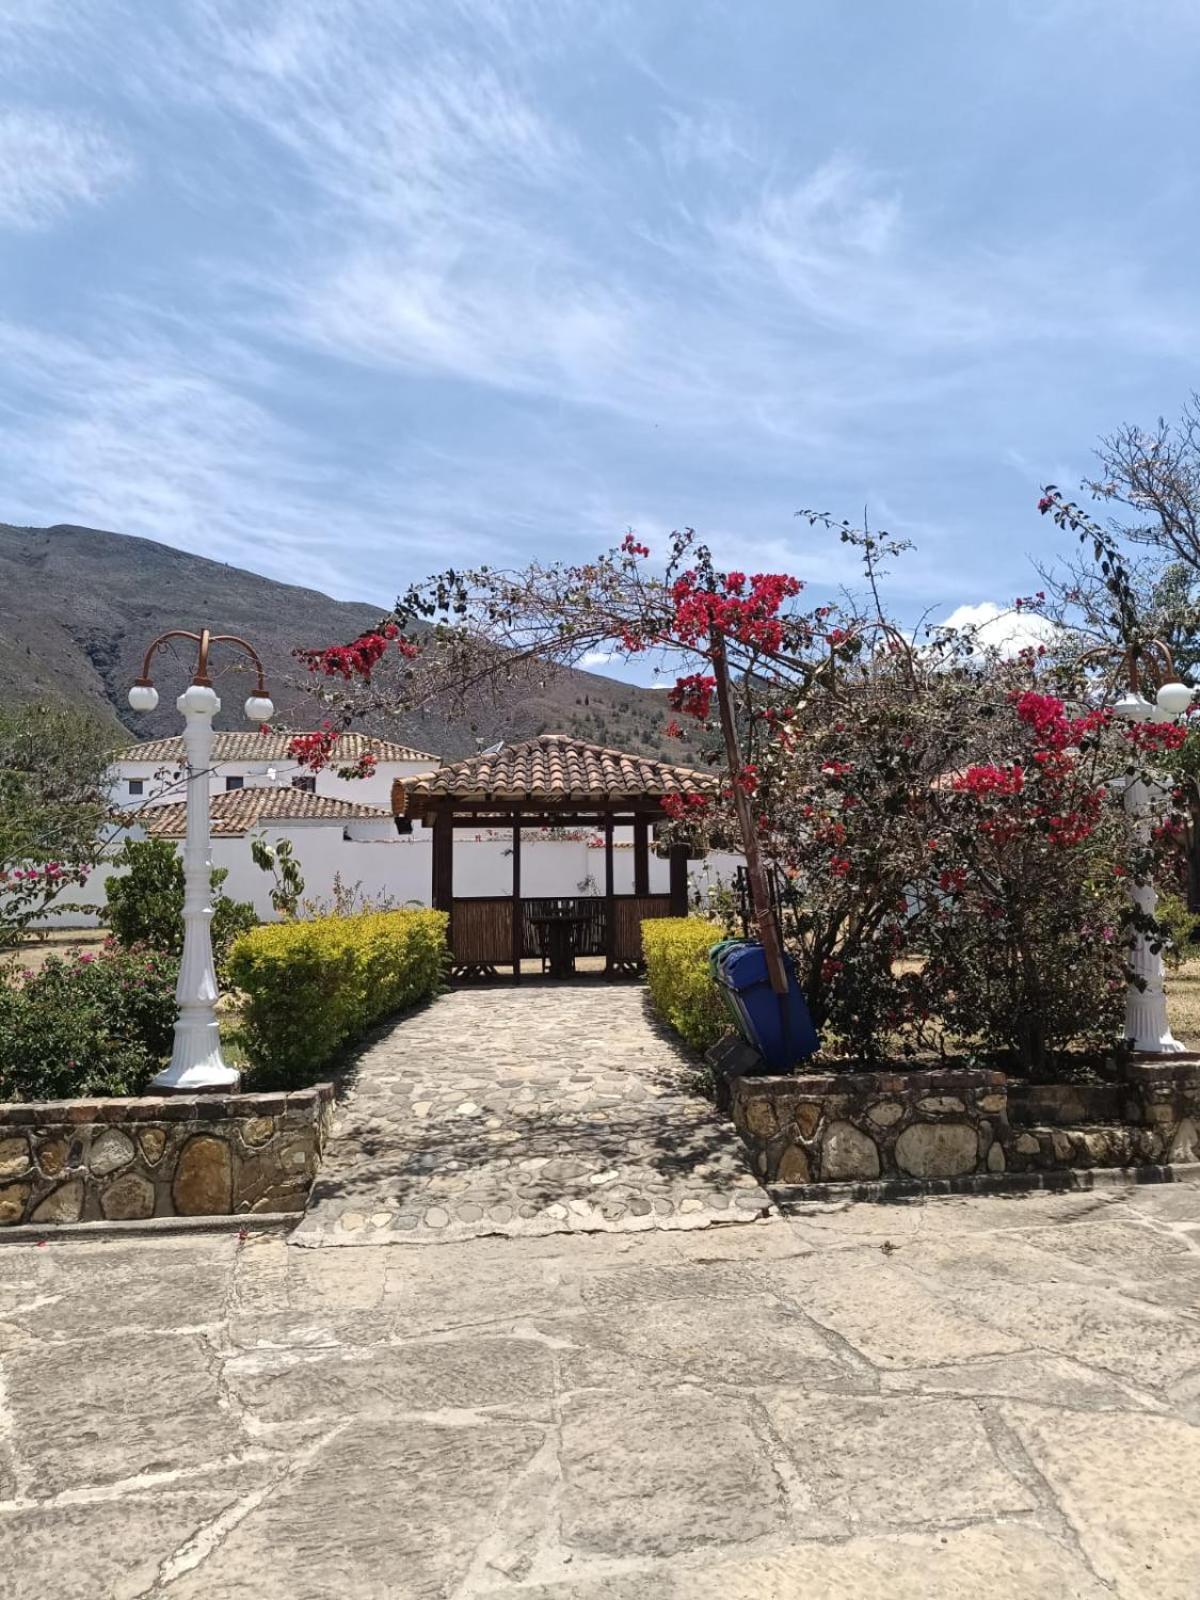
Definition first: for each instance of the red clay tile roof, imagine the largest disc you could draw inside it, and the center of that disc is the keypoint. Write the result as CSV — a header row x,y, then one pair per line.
x,y
254,746
552,767
242,809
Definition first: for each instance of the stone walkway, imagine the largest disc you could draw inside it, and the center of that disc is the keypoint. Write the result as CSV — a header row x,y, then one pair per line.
x,y
987,1397
544,1109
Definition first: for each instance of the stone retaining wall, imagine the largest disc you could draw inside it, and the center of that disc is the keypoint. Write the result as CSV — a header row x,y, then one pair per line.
x,y
171,1156
856,1127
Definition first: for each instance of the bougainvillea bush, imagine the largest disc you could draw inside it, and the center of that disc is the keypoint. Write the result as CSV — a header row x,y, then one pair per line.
x,y
86,1024
943,826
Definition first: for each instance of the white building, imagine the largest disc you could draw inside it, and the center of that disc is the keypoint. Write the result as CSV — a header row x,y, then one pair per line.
x,y
152,773
342,831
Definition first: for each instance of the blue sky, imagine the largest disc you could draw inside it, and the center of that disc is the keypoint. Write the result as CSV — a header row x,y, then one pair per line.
x,y
345,292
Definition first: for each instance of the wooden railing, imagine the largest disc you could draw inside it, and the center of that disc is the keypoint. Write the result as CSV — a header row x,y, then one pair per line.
x,y
629,912
481,929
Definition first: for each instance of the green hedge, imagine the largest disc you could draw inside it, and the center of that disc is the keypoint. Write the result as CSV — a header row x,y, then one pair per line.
x,y
676,951
311,988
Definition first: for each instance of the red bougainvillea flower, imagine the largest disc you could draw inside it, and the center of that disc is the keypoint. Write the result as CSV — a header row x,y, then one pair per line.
x,y
364,767
991,780
678,806
1156,738
631,546
314,750
746,609
361,656
1047,716
692,695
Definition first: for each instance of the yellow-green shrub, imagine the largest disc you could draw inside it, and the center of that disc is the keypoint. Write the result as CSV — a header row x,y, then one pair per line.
x,y
312,988
677,975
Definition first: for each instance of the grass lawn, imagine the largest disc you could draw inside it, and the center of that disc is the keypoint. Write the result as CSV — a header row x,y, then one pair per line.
x,y
1183,1003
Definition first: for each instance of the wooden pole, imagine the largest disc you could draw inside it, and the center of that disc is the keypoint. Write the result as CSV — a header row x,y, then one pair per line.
x,y
443,860
678,882
518,915
610,896
764,914
641,855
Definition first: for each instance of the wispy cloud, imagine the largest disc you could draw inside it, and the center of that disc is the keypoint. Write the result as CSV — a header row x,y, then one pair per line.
x,y
441,277
50,164
1001,628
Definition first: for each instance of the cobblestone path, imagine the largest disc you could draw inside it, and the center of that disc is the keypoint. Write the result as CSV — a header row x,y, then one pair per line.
x,y
544,1109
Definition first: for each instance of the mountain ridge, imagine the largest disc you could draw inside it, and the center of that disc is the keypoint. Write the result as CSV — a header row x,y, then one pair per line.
x,y
78,607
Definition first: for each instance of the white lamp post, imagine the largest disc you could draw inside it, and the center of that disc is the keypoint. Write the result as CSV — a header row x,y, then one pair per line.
x,y
196,1064
1146,1025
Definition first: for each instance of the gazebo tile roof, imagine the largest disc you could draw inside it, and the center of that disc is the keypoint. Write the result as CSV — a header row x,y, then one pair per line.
x,y
550,768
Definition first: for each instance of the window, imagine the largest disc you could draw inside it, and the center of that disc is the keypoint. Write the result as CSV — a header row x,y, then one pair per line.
x,y
137,786
308,784
234,783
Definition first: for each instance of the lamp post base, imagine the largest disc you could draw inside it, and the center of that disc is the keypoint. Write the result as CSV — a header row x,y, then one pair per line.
x,y
206,1079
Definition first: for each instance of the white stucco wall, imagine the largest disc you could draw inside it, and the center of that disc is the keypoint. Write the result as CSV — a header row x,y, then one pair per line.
x,y
401,867
164,783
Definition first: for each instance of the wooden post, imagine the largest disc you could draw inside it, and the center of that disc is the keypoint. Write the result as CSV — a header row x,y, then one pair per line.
x,y
518,915
678,858
641,855
764,915
443,860
610,893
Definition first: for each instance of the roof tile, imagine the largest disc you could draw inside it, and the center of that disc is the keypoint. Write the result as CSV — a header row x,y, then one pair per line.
x,y
240,810
551,767
252,745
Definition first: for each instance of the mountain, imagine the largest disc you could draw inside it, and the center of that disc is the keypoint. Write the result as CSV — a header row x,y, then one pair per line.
x,y
78,606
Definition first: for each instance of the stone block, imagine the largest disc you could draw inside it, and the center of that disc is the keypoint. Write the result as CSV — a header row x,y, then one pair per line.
x,y
806,1117
993,1102
52,1156
63,1204
1185,1142
14,1197
14,1156
885,1463
793,1166
152,1142
111,1151
655,1474
847,1154
937,1149
885,1113
942,1104
128,1197
995,1157
203,1185
257,1130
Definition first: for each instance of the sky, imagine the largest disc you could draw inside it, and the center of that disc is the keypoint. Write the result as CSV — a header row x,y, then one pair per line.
x,y
348,291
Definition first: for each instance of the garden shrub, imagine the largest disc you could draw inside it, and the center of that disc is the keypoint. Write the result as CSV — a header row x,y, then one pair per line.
x,y
312,988
677,975
145,904
86,1024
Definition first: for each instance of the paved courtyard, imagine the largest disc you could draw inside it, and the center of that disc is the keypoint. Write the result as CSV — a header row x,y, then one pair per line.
x,y
995,1397
540,1109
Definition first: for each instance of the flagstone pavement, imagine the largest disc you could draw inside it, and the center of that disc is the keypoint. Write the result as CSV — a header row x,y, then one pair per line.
x,y
991,1397
543,1108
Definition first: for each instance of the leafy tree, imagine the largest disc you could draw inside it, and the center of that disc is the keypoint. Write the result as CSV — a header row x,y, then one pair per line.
x,y
145,903
53,803
935,828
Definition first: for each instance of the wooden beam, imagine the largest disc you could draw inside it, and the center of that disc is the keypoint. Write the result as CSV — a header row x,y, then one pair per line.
x,y
641,854
518,916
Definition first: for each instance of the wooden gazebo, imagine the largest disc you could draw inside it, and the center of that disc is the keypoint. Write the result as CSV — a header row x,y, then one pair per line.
x,y
552,781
